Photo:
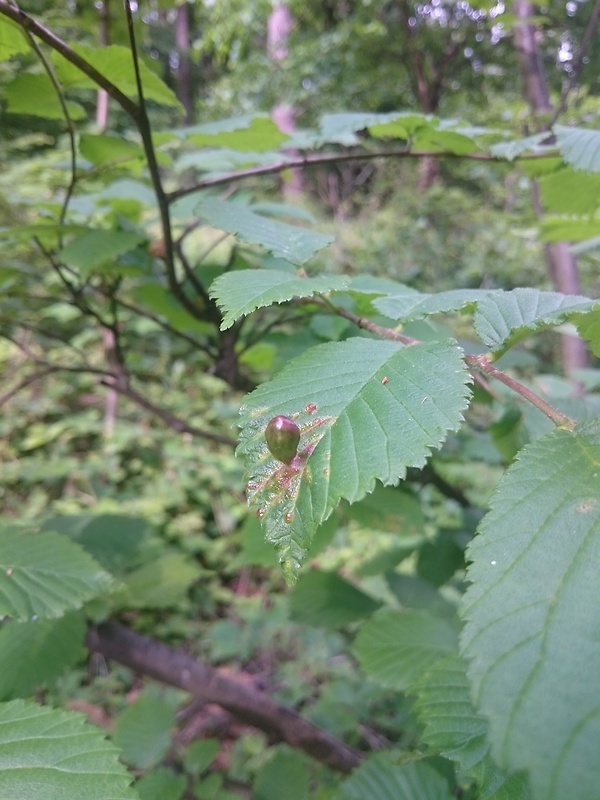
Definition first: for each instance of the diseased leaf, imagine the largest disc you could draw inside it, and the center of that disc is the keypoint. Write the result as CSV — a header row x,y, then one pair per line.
x,y
287,241
580,147
43,575
243,291
504,318
395,647
58,756
532,628
367,410
34,654
379,778
454,729
416,306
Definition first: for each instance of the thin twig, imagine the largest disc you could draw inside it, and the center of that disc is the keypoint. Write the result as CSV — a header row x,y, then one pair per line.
x,y
70,127
25,382
175,423
333,158
558,418
143,124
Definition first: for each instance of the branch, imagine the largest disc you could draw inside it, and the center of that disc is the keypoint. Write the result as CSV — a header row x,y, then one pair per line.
x,y
175,423
30,25
23,384
336,158
143,124
559,419
177,668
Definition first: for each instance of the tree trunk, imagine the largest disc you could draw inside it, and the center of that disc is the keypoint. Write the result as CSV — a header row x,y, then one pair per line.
x,y
279,28
561,263
184,67
104,36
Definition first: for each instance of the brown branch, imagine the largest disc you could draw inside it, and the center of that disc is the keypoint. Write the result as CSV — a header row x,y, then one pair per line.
x,y
27,381
337,158
143,124
483,364
30,25
177,668
175,423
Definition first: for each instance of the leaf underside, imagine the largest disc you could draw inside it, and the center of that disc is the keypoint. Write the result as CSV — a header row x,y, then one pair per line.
x,y
533,628
367,410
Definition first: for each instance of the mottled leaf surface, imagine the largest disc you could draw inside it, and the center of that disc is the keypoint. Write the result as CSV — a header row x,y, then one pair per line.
x,y
367,409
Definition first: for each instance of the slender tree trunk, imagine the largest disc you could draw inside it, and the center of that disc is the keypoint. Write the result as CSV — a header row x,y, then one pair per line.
x,y
279,28
561,263
184,69
104,36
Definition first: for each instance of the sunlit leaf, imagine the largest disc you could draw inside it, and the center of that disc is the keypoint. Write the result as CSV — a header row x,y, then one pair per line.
x,y
243,291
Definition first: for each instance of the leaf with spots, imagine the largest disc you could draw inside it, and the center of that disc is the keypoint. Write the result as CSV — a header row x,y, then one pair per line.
x,y
532,632
367,410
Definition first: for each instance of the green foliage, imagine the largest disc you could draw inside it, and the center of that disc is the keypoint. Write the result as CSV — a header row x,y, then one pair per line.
x,y
528,610
137,310
41,746
44,575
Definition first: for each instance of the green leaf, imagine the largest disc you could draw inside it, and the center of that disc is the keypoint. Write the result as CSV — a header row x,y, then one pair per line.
x,y
511,150
103,150
367,410
58,756
580,147
588,326
570,192
416,306
504,318
116,64
34,654
12,40
288,241
532,630
395,647
379,778
243,291
248,133
324,599
160,784
286,775
159,584
454,729
35,95
565,229
43,575
143,730
95,249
